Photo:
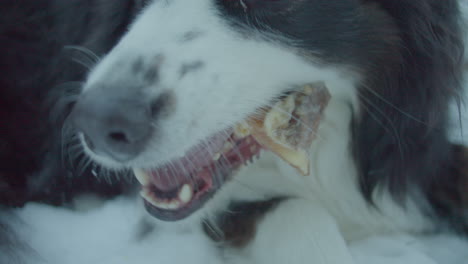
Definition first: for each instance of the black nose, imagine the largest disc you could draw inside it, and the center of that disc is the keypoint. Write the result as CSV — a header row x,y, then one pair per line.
x,y
112,124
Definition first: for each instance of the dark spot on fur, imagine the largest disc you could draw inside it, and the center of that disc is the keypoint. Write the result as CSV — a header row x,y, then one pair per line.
x,y
152,73
163,105
237,226
191,35
190,67
137,66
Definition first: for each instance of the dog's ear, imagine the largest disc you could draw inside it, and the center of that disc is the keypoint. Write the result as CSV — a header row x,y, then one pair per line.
x,y
449,195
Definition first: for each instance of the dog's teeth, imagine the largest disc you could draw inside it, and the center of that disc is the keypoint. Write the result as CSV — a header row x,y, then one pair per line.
x,y
141,176
148,196
165,204
227,146
242,130
185,194
216,156
173,205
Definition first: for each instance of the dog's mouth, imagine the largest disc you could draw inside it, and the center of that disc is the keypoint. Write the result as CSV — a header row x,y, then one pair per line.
x,y
179,188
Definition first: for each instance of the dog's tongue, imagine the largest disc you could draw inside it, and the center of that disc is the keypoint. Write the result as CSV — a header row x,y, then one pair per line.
x,y
189,167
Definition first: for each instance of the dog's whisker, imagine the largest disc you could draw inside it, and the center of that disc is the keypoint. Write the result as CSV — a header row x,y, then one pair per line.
x,y
213,171
376,119
167,173
389,121
173,179
193,168
90,55
237,152
387,102
214,228
86,64
83,165
74,152
184,171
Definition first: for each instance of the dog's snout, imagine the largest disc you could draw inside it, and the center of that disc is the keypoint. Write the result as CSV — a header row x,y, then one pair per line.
x,y
113,125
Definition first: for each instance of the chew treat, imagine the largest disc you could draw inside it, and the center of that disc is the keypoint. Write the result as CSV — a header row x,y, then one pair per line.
x,y
289,127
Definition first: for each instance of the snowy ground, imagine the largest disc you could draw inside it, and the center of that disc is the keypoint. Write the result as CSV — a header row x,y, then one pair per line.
x,y
106,235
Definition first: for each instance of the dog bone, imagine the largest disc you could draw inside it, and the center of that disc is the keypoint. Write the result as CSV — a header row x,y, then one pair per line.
x,y
289,127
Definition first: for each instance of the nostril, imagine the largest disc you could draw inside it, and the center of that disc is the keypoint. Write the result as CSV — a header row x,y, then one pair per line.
x,y
119,137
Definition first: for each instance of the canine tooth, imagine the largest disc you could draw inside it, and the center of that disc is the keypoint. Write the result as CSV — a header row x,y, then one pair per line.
x,y
141,176
216,156
185,194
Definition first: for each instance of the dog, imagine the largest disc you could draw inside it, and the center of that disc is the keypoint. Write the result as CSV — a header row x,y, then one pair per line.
x,y
172,78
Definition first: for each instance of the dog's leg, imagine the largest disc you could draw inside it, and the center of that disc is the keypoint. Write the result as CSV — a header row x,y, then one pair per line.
x,y
298,231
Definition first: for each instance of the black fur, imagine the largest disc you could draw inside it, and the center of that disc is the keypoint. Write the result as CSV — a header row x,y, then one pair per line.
x,y
40,75
401,139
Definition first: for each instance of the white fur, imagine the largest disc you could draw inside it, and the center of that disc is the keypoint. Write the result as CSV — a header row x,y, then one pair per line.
x,y
241,73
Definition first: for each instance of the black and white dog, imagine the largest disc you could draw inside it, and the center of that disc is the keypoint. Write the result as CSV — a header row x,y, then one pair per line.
x,y
170,80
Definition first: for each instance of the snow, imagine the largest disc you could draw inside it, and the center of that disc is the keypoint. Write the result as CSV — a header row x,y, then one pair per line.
x,y
108,235
441,249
